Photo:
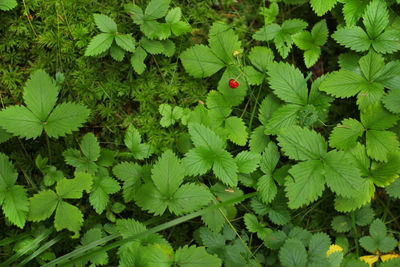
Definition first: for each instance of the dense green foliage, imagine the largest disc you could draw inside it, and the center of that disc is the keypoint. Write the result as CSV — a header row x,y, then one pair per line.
x,y
200,133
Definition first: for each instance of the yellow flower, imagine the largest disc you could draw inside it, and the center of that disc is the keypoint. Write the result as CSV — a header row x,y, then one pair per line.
x,y
334,248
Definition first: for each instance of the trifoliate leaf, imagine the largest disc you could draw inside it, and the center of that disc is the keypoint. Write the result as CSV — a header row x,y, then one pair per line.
x,y
101,188
133,142
73,188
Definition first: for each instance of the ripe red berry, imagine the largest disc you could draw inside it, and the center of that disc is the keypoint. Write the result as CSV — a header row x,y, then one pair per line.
x,y
233,84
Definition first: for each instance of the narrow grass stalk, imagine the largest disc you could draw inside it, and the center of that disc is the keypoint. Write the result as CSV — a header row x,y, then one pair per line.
x,y
76,255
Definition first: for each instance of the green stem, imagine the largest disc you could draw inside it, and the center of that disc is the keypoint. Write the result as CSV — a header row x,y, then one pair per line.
x,y
353,222
76,255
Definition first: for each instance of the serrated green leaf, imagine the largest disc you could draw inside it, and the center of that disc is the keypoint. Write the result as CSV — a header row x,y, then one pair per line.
x,y
117,53
196,257
16,205
6,5
68,217
375,18
343,84
266,188
285,117
90,147
99,44
105,23
288,83
42,205
73,188
101,188
225,168
156,9
308,184
200,62
293,253
301,143
380,143
21,122
188,198
137,60
319,245
320,7
341,224
135,12
353,37
247,162
344,135
371,65
391,101
126,42
66,118
237,130
377,118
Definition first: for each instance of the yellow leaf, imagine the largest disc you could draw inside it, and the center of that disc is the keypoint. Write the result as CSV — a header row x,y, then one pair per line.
x,y
389,257
334,248
370,259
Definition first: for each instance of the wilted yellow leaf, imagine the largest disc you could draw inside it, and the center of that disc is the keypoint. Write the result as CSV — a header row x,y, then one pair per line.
x,y
333,248
370,259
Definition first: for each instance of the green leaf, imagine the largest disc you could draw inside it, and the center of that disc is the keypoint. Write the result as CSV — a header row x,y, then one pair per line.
x,y
105,23
16,205
149,198
133,142
320,7
344,136
169,115
90,147
174,15
320,33
302,144
92,235
73,188
308,184
275,240
218,105
101,188
377,118
197,161
199,61
6,5
341,224
387,42
156,9
225,168
341,176
285,117
99,44
364,216
196,257
169,48
383,174
353,10
258,140
21,122
202,136
167,174
223,42
376,18
68,217
126,42
269,159
261,57
343,84
117,53
130,174
247,161
153,47
40,94
135,12
188,198
293,253
156,255
180,28
393,189
237,130
42,205
391,101
371,65
137,60
353,37
380,143
311,56
266,188
288,83
66,118
319,245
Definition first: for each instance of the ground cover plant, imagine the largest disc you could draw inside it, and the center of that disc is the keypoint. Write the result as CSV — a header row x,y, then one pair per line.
x,y
200,133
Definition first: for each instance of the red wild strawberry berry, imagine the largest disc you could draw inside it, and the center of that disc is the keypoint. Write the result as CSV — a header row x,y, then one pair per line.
x,y
233,84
